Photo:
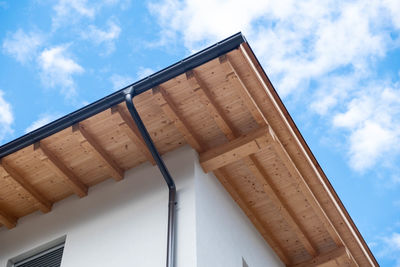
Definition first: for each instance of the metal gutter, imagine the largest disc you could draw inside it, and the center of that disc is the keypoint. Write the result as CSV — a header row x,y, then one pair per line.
x,y
126,94
140,86
165,173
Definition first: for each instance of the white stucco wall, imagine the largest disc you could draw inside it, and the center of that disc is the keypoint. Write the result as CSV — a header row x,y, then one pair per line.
x,y
225,235
118,223
124,223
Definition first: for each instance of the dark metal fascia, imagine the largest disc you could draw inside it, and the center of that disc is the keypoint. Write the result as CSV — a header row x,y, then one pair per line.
x,y
140,86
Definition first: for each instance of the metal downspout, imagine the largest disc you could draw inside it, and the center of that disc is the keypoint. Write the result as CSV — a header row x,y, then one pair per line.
x,y
164,171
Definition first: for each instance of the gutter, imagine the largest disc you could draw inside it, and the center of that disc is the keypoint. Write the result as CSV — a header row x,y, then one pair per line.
x,y
127,94
140,86
165,173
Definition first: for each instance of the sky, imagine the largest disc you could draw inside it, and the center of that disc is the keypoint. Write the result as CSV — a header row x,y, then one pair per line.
x,y
335,64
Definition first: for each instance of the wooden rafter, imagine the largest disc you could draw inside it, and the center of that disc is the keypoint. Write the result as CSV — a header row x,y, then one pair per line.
x,y
38,199
249,58
281,151
237,83
340,253
330,228
89,143
203,93
243,147
290,165
257,170
267,235
173,114
7,220
234,150
130,129
57,166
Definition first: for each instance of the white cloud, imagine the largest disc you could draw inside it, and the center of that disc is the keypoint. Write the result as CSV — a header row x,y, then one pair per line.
x,y
394,8
6,117
119,81
297,40
391,248
323,49
144,72
42,120
373,120
67,11
58,68
22,46
394,241
106,37
333,90
122,4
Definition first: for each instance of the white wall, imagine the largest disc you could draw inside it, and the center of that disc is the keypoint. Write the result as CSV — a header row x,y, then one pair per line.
x,y
118,222
224,233
124,223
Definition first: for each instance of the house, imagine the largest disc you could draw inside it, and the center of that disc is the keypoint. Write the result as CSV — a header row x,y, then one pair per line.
x,y
87,189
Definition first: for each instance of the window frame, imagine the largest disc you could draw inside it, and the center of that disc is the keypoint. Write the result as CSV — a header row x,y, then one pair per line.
x,y
37,252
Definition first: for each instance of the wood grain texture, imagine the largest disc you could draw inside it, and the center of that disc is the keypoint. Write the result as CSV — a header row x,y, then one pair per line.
x,y
239,149
58,167
266,234
7,220
89,143
257,170
125,121
172,112
330,258
205,97
234,150
38,200
212,108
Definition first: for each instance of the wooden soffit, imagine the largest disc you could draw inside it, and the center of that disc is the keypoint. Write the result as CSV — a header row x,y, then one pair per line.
x,y
228,111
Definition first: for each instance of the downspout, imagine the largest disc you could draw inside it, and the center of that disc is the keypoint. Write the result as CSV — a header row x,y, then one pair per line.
x,y
164,171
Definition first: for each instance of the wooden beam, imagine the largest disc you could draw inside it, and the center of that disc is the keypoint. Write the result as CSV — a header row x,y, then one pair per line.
x,y
241,88
291,166
7,220
231,152
54,164
203,93
38,200
173,114
90,144
345,219
246,54
258,172
281,151
234,150
130,129
325,258
266,234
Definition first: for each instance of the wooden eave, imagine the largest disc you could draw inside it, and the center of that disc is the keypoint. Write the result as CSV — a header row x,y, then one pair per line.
x,y
228,111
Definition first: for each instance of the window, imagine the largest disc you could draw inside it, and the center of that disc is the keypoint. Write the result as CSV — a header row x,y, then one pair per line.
x,y
49,258
48,255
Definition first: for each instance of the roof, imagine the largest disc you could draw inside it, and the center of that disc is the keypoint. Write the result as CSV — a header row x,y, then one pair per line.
x,y
221,103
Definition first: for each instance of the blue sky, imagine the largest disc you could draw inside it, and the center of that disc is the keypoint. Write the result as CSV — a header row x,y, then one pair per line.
x,y
336,65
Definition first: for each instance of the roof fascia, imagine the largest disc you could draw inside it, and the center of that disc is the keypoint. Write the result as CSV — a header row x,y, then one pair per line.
x,y
113,99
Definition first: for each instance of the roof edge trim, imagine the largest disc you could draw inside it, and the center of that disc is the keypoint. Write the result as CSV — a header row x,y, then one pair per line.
x,y
140,86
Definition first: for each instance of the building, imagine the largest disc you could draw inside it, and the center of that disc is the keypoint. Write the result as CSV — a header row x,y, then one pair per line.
x,y
249,190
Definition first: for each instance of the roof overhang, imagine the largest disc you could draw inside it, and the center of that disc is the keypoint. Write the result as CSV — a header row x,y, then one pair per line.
x,y
221,103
